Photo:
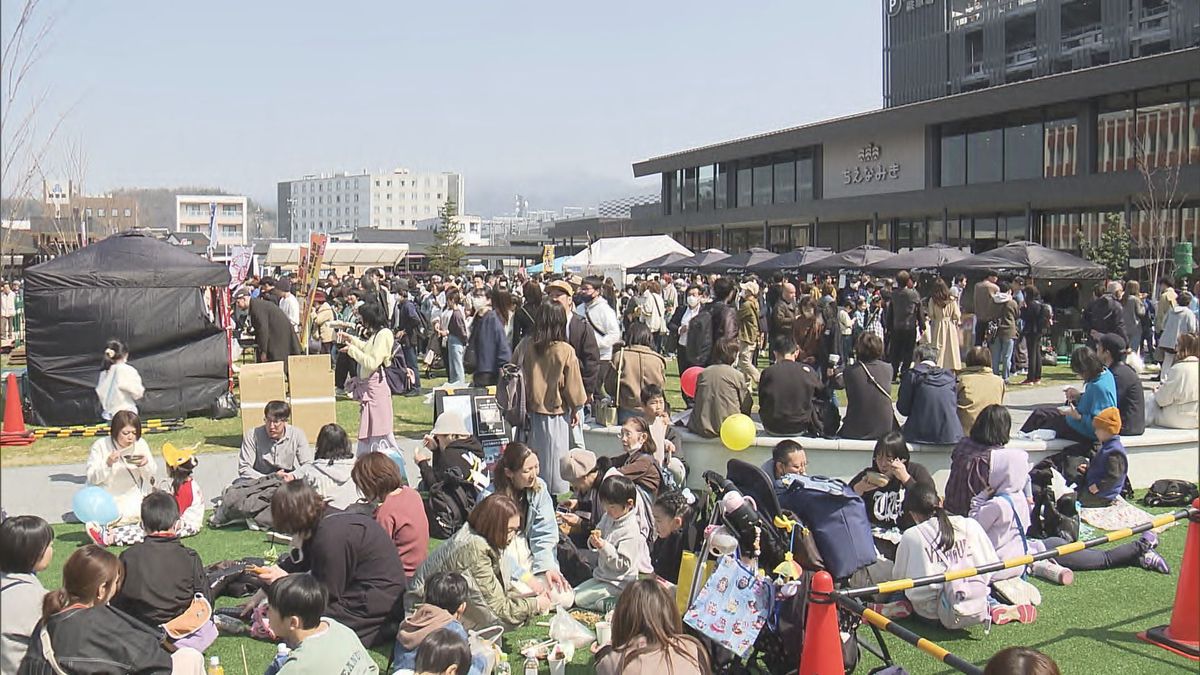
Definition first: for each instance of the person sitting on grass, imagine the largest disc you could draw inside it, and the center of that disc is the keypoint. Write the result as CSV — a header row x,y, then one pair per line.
x,y
1020,661
329,472
445,601
882,487
181,463
162,576
1102,478
276,447
674,522
319,644
26,548
621,550
449,446
532,559
648,636
396,507
84,630
122,464
444,652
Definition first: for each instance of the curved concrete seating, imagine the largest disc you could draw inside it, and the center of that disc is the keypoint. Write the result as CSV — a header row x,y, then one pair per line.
x,y
1159,453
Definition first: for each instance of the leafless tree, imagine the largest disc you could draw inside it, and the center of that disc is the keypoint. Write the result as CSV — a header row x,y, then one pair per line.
x,y
1158,203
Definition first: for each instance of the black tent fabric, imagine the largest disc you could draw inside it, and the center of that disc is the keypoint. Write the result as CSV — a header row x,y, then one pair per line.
x,y
1030,259
792,261
857,258
694,263
924,259
136,289
656,264
740,262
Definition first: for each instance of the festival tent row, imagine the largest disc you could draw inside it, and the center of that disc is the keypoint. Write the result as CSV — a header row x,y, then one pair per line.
x,y
146,293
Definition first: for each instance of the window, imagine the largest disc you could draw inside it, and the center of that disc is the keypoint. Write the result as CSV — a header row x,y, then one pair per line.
x,y
722,187
763,184
804,179
954,160
1059,158
1193,127
128,213
785,180
87,213
689,189
1114,126
1023,151
745,187
99,213
985,156
1159,127
705,186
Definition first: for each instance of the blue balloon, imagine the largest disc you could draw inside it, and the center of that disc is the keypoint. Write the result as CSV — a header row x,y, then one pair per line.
x,y
93,505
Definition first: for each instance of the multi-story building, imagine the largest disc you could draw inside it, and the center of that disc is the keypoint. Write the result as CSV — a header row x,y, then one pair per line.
x,y
97,215
193,215
346,201
933,48
469,228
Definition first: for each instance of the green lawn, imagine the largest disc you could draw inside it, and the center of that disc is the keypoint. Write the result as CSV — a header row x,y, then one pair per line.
x,y
1091,622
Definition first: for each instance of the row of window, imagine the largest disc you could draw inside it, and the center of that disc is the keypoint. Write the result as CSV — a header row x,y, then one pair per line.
x,y
108,213
777,179
305,186
412,195
441,181
331,211
202,210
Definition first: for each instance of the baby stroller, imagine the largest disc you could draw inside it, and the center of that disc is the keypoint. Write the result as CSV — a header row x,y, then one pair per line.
x,y
778,537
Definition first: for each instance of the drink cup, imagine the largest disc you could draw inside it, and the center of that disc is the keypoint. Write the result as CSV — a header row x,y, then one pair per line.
x,y
603,633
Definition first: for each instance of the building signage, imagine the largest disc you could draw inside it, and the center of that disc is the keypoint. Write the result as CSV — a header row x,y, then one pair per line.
x,y
895,7
882,163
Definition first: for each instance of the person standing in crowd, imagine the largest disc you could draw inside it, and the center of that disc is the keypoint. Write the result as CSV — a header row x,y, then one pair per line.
x,y
492,347
289,303
266,290
985,309
1036,316
1131,402
928,398
944,320
724,318
322,317
958,288
907,319
603,321
1164,301
783,312
120,385
410,330
454,330
748,333
683,316
651,310
721,391
273,333
370,387
1180,321
1134,311
1105,314
670,296
636,366
808,330
582,338
8,312
554,390
532,296
1005,314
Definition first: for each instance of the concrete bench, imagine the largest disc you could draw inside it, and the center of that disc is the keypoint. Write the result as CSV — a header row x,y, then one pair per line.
x,y
1159,453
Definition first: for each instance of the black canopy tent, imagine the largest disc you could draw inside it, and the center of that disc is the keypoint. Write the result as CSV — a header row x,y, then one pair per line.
x,y
857,258
696,262
657,264
925,259
146,293
1029,259
740,262
792,261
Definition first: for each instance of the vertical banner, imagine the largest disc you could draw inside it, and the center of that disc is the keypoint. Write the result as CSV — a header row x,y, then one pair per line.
x,y
310,275
548,258
212,229
301,270
240,260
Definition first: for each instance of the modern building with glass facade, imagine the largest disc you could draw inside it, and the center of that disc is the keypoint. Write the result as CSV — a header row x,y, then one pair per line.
x,y
1048,159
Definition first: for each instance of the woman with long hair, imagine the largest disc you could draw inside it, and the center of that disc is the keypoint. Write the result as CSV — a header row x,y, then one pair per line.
x,y
84,630
455,331
944,319
634,367
120,385
490,334
554,390
531,558
648,636
370,387
1073,421
523,316
122,464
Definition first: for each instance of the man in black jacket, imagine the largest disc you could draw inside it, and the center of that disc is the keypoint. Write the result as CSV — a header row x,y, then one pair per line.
x,y
582,339
906,317
1131,402
273,332
788,392
410,331
1104,314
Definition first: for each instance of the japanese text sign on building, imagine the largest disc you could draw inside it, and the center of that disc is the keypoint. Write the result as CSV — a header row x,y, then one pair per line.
x,y
871,168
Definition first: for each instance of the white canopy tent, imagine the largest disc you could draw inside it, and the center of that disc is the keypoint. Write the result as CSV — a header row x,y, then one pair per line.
x,y
340,254
612,256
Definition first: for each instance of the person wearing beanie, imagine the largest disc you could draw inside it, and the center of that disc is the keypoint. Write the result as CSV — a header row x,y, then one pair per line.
x,y
1103,477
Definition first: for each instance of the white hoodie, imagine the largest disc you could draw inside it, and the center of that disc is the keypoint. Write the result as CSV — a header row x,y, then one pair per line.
x,y
916,557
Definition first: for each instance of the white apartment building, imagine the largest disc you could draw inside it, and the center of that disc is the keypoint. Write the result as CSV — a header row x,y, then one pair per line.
x,y
470,228
192,216
342,201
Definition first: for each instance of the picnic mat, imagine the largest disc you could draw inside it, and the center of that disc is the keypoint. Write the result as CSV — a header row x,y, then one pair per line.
x,y
1116,516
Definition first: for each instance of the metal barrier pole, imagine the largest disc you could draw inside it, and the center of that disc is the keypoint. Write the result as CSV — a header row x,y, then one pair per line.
x,y
883,623
905,584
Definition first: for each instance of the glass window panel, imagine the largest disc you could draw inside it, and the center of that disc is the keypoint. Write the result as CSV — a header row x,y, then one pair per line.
x,y
762,184
722,184
1059,152
754,238
801,235
851,235
954,160
706,188
1193,125
1023,151
689,189
1160,133
984,156
804,175
883,235
937,231
1015,229
785,182
745,187
827,235
673,189
984,234
1114,131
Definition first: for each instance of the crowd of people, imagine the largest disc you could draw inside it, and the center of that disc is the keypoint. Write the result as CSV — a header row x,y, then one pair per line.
x,y
361,572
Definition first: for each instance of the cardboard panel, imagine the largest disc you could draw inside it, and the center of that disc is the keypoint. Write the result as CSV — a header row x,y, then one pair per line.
x,y
259,383
311,393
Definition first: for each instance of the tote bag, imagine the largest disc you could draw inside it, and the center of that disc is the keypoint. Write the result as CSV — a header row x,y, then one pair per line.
x,y
733,606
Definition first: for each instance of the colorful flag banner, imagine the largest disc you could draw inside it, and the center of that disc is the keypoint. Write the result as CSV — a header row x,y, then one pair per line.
x,y
311,274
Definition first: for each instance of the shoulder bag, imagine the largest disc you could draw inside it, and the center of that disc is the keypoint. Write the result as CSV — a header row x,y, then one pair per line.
x,y
886,394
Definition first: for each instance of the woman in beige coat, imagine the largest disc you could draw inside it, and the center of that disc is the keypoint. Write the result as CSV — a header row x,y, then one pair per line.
x,y
634,367
648,637
944,319
978,387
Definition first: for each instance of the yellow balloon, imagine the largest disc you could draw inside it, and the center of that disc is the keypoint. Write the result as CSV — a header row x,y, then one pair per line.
x,y
738,432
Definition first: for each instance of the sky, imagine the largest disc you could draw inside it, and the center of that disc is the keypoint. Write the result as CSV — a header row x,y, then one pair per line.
x,y
552,100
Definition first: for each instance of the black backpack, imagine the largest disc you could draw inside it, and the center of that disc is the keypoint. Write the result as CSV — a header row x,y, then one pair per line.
x,y
449,503
1170,492
700,337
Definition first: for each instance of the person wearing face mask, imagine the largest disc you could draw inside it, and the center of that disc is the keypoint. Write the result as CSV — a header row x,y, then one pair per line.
x,y
679,324
603,321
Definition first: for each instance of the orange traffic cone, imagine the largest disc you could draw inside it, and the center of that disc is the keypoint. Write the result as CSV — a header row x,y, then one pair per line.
x,y
822,651
13,432
1182,635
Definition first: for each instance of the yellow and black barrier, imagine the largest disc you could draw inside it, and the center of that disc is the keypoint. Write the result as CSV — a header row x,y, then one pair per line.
x,y
885,624
153,426
905,584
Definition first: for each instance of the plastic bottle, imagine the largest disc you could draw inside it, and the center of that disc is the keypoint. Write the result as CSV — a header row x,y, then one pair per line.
x,y
214,666
531,665
281,655
502,666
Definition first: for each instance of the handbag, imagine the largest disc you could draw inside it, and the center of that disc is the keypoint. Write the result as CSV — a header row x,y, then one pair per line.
x,y
887,394
485,642
196,615
733,606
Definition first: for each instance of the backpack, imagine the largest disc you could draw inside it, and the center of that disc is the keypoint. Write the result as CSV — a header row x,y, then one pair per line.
x,y
962,602
700,337
450,501
1170,492
837,517
471,352
510,394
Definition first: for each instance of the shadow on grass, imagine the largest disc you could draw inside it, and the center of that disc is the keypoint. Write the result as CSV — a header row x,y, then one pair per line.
x,y
78,538
228,441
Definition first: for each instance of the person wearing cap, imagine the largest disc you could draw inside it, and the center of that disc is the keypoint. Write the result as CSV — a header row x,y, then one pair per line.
x,y
289,303
748,333
181,463
322,318
1101,478
582,339
273,333
448,447
1112,348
